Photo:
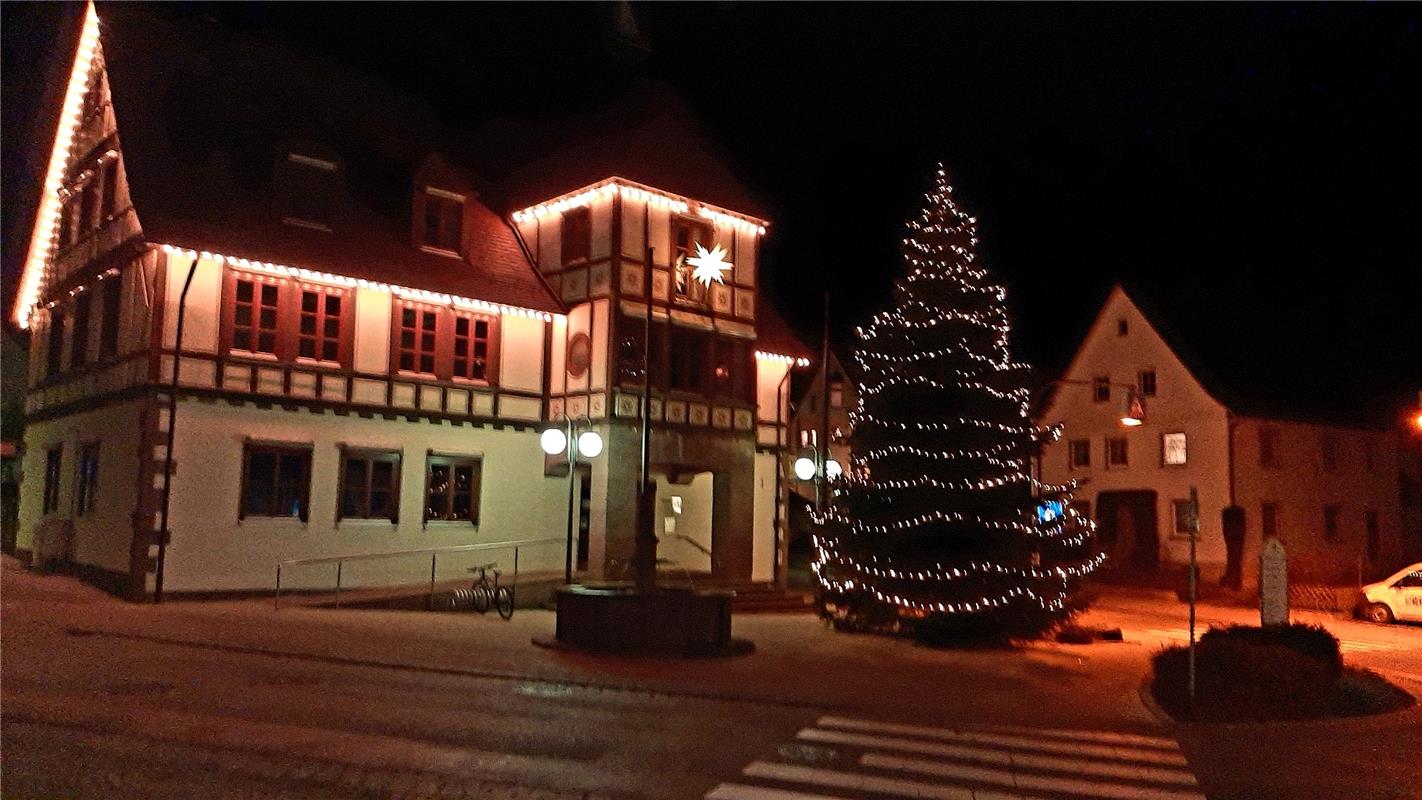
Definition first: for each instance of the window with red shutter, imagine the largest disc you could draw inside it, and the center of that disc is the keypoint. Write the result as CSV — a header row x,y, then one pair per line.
x,y
471,347
254,316
418,338
319,332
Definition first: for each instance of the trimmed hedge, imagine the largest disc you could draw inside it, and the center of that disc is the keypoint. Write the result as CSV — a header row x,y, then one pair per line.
x,y
1313,641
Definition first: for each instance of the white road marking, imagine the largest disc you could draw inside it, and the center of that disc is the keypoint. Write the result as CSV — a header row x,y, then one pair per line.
x,y
1020,780
1001,763
1155,756
1003,757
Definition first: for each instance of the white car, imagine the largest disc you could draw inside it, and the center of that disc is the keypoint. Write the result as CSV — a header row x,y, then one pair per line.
x,y
1399,597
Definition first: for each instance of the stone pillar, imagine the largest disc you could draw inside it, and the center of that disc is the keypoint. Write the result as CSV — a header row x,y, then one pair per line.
x,y
733,513
612,523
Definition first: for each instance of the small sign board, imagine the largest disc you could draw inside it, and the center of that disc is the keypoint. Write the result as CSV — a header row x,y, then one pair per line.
x,y
1273,584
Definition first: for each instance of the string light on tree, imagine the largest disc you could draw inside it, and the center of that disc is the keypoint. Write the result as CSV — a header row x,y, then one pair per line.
x,y
934,526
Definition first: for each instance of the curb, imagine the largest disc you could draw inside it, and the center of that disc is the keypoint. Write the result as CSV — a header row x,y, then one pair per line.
x,y
1354,724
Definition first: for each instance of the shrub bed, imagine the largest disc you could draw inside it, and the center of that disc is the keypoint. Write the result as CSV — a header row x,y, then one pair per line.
x,y
1255,674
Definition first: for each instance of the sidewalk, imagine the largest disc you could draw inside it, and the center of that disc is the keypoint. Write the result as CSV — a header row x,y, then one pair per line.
x,y
798,660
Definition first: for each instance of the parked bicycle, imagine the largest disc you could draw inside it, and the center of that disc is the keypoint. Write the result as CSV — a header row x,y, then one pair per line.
x,y
484,592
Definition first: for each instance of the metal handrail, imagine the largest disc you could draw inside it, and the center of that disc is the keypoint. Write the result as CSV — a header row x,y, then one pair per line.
x,y
434,553
698,545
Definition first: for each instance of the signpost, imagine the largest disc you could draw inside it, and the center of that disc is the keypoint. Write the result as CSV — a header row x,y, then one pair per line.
x,y
1273,584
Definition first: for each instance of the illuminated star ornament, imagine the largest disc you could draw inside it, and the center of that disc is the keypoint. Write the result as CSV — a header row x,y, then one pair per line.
x,y
710,265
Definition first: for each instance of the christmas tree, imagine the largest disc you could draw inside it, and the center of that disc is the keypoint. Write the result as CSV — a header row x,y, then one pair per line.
x,y
938,527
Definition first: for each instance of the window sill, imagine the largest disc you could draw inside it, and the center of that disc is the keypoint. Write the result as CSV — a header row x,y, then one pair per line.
x,y
319,362
440,251
451,523
262,519
368,523
252,354
418,376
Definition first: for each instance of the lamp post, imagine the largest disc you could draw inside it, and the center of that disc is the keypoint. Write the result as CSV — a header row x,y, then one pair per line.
x,y
588,443
820,468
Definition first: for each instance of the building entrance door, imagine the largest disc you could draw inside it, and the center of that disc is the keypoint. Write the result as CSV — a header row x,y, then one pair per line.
x,y
1126,529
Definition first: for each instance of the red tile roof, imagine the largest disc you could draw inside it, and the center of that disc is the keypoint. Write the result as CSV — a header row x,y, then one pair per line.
x,y
203,115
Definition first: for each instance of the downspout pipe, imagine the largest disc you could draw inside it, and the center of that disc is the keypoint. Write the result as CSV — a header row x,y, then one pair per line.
x,y
172,427
782,536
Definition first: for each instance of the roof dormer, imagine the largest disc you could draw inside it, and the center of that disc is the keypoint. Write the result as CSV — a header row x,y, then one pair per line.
x,y
441,206
306,186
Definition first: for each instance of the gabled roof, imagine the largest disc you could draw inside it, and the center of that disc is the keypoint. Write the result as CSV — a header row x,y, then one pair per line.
x,y
774,335
649,135
203,114
1250,372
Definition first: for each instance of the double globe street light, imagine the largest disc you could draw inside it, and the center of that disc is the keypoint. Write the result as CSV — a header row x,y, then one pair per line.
x,y
808,468
566,439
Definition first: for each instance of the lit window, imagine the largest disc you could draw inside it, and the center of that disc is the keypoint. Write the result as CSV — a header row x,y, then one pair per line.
x,y
87,480
1172,449
686,234
1116,451
1101,389
276,481
1146,382
1080,451
443,221
370,485
452,488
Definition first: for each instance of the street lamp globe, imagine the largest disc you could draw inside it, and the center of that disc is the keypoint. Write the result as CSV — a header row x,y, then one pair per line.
x,y
589,444
553,441
833,470
804,468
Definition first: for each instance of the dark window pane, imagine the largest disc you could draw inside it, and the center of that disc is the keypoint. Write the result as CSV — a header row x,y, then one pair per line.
x,y
269,294
266,343
407,318
407,361
261,481
379,503
460,366
308,324
460,509
268,318
328,352
241,339
481,328
310,301
427,321
461,347
244,291
461,326
427,364
331,327
427,341
407,339
307,348
333,305
244,315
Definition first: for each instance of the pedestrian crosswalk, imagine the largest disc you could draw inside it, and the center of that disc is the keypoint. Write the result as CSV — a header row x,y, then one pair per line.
x,y
844,758
1346,645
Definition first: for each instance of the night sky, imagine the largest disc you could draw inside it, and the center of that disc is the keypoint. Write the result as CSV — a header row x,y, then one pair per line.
x,y
1259,167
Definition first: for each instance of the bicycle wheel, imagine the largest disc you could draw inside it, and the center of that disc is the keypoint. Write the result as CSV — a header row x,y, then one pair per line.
x,y
481,598
503,600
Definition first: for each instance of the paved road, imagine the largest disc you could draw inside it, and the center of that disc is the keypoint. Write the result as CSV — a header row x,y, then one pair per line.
x,y
103,699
